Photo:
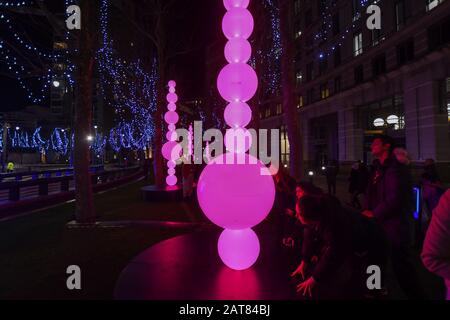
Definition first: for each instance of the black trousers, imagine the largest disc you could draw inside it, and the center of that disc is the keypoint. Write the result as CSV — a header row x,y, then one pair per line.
x,y
331,186
402,259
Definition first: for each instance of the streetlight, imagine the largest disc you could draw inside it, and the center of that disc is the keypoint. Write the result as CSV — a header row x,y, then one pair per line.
x,y
17,128
90,138
56,83
311,175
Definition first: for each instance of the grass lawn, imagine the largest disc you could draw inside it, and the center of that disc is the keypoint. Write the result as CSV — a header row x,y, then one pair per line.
x,y
35,250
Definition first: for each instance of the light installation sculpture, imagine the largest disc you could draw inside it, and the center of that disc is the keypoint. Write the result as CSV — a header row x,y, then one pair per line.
x,y
171,149
237,195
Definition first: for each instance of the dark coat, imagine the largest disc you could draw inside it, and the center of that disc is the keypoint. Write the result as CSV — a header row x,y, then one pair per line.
x,y
390,197
331,241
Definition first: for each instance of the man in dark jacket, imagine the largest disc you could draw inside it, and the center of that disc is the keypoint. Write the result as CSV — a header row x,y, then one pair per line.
x,y
390,202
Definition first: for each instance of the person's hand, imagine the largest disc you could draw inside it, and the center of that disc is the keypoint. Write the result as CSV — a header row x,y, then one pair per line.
x,y
306,287
301,269
290,212
288,242
368,214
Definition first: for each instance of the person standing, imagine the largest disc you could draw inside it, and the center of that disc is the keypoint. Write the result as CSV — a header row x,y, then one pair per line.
x,y
431,185
390,202
331,173
436,248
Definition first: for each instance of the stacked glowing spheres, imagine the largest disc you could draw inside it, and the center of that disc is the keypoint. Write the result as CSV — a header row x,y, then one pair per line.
x,y
237,82
171,150
238,114
237,194
247,242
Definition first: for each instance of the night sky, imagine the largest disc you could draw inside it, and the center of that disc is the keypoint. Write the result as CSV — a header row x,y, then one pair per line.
x,y
201,17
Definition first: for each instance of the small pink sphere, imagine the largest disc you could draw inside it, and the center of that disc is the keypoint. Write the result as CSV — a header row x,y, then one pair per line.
x,y
238,140
171,150
171,135
237,23
172,90
171,180
172,97
171,164
235,4
233,195
237,82
238,50
238,249
171,171
172,84
171,127
238,114
171,117
172,106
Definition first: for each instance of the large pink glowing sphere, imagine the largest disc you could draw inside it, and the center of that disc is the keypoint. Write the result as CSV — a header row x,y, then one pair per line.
x,y
171,117
238,140
171,180
233,195
237,23
238,50
171,150
237,82
236,3
238,114
172,97
238,249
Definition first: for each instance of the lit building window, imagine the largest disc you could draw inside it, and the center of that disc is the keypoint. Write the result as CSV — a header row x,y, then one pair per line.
x,y
59,45
300,102
284,146
357,44
279,109
268,112
324,91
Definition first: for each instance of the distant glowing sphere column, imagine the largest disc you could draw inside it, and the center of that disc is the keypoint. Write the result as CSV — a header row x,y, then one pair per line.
x,y
171,149
237,196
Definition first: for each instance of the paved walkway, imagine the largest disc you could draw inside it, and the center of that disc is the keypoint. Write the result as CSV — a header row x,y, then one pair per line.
x,y
188,268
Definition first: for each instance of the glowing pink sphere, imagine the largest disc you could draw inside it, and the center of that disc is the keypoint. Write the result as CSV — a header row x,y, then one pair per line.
x,y
172,84
172,106
172,97
172,90
171,127
237,23
238,114
171,135
238,249
171,171
237,82
171,150
171,164
238,50
238,140
235,196
171,117
235,4
171,180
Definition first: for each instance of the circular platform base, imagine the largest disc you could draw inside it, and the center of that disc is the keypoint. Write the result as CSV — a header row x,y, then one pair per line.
x,y
153,193
188,268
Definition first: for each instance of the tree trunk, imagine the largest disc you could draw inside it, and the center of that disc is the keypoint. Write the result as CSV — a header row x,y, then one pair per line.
x,y
84,211
288,92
